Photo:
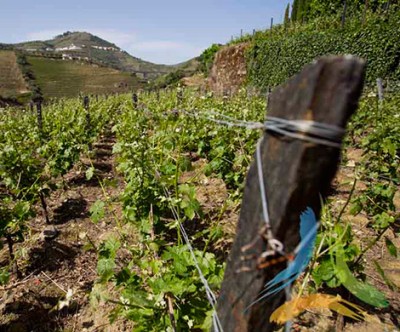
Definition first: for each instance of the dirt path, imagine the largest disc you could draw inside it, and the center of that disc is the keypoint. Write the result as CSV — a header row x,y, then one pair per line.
x,y
67,263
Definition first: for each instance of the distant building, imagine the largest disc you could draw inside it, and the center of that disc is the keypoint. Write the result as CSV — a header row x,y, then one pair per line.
x,y
104,48
67,57
72,47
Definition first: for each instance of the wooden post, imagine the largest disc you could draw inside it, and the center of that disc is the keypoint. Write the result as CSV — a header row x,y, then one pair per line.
x,y
296,174
39,115
241,33
179,96
135,100
272,23
379,84
86,105
344,13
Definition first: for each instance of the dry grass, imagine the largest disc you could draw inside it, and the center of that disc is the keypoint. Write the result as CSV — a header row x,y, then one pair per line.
x,y
12,83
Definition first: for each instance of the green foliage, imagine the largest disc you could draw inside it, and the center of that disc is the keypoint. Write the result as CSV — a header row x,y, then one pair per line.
x,y
4,276
97,211
375,130
279,54
207,58
58,78
311,9
169,80
147,289
32,159
154,152
295,10
286,19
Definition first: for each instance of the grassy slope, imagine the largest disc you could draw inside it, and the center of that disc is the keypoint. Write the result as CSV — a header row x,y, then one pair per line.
x,y
58,78
12,83
117,59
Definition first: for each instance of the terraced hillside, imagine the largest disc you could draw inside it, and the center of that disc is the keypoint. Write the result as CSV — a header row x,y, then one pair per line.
x,y
12,84
86,45
60,78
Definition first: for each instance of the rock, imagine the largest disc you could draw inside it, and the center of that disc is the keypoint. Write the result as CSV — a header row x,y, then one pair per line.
x,y
50,233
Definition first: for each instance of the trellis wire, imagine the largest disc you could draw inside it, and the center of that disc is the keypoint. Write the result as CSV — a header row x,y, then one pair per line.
x,y
311,131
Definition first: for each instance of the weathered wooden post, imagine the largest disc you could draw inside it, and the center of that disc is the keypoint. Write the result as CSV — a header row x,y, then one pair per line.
x,y
379,84
39,115
344,13
135,100
86,106
179,96
296,174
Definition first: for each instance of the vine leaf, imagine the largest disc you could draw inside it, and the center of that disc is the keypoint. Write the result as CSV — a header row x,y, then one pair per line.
x,y
97,211
89,173
391,247
365,292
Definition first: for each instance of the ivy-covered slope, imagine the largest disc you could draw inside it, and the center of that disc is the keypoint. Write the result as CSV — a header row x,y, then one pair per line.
x,y
277,54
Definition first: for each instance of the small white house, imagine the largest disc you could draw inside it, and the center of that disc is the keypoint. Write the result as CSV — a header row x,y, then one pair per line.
x,y
72,47
67,57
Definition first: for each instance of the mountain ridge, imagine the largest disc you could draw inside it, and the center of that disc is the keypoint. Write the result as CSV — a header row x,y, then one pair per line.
x,y
81,45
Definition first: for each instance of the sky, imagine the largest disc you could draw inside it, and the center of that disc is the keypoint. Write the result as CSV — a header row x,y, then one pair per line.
x,y
159,31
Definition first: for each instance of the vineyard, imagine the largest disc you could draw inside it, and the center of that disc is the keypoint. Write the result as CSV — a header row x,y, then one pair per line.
x,y
154,235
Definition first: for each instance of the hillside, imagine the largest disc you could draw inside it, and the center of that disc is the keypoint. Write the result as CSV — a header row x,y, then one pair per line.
x,y
12,84
87,46
60,78
81,62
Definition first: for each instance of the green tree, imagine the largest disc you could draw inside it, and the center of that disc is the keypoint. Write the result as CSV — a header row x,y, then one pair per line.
x,y
300,10
287,18
295,7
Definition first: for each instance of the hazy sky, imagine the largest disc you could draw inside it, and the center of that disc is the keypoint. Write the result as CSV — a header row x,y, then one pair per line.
x,y
155,30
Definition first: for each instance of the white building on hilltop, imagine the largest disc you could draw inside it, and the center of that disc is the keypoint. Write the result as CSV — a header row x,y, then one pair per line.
x,y
71,47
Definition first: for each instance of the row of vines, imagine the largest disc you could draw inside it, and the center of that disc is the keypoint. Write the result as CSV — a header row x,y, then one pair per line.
x,y
35,152
167,149
161,140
